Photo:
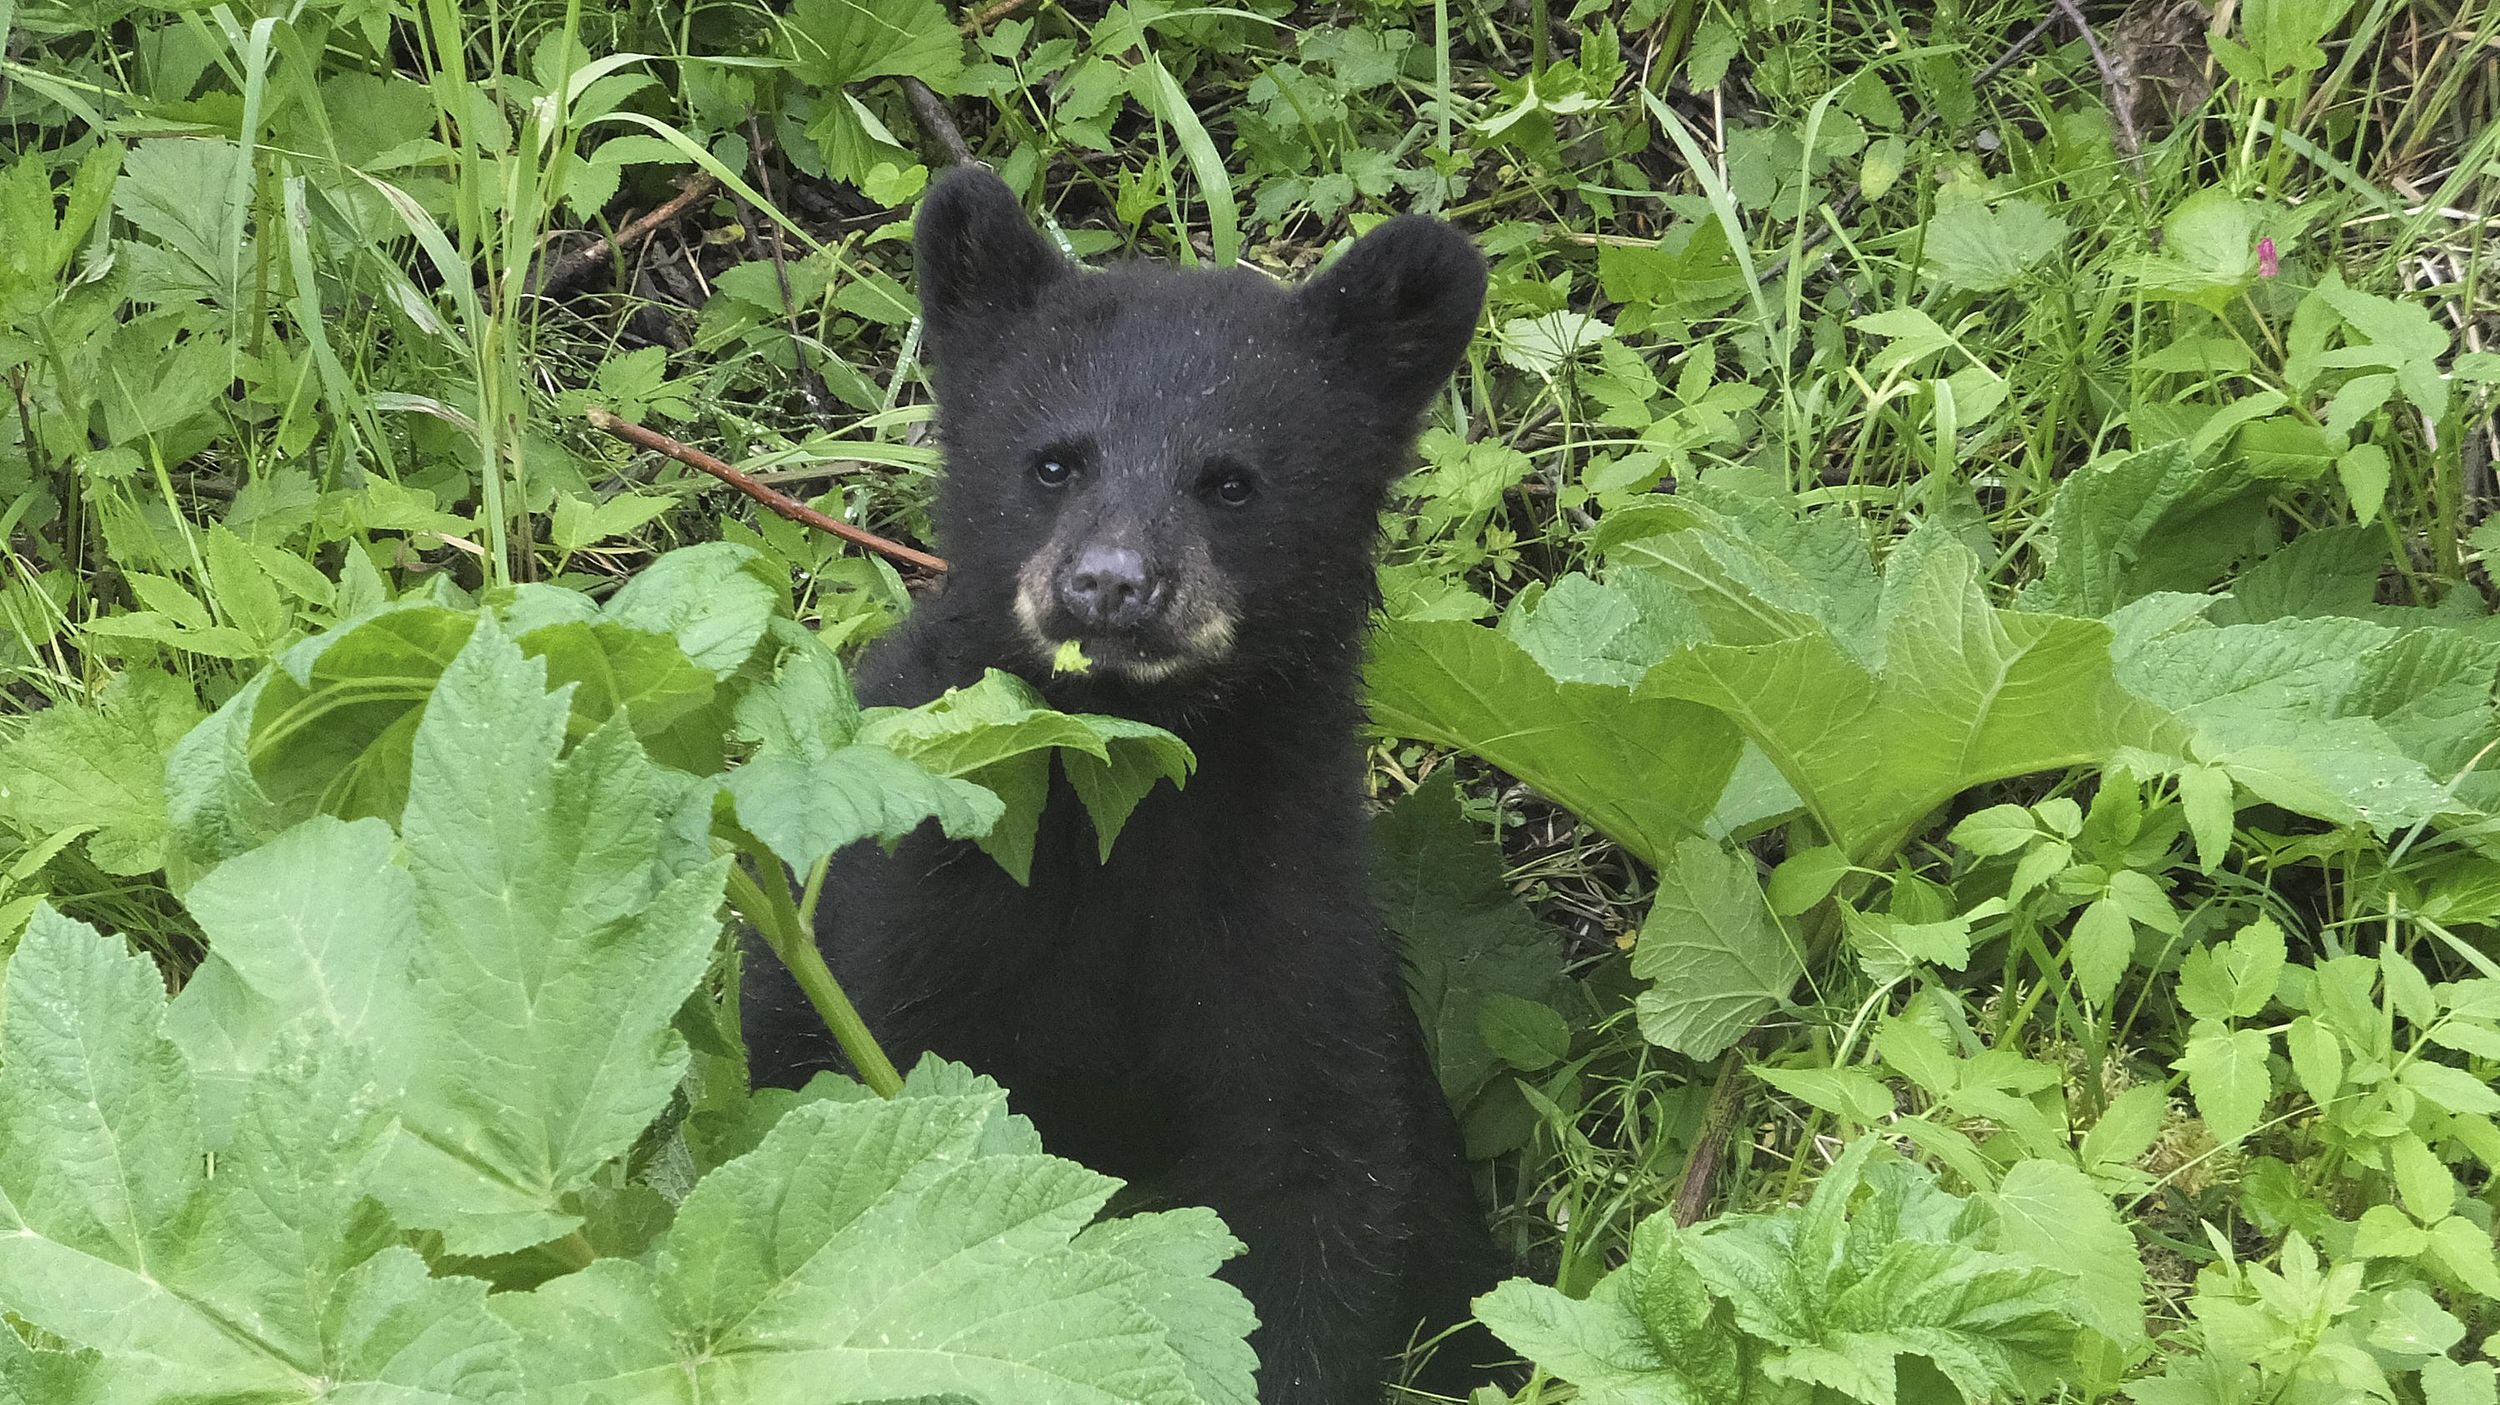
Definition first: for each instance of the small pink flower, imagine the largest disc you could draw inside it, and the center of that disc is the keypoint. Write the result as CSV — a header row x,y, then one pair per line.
x,y
2268,264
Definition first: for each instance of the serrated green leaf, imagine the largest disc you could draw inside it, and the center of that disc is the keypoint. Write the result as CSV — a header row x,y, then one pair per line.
x,y
101,769
1525,1034
1719,960
1960,693
1645,1334
1881,1264
1999,829
2100,949
875,1250
1804,878
2226,1071
263,1280
2054,1216
1972,246
1000,734
714,599
1646,772
1463,935
2317,1058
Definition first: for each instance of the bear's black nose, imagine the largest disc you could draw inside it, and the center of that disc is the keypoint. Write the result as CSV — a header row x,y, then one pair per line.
x,y
1106,588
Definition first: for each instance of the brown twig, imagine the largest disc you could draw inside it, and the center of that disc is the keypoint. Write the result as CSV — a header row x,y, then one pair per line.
x,y
1718,1125
936,123
811,381
2113,84
991,14
575,266
781,504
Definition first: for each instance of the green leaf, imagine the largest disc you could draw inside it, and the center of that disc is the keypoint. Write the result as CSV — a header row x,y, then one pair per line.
x,y
2099,952
1645,1335
101,769
265,1280
1881,1264
2452,1089
716,599
1959,693
242,589
523,967
1525,1034
810,789
2236,979
837,42
2226,1071
2053,1215
2429,1189
1804,878
2206,796
2317,1058
875,1250
1851,1093
1968,245
1464,936
2154,520
1645,771
1718,959
999,734
1999,829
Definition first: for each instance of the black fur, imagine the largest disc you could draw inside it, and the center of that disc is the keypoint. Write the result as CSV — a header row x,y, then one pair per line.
x,y
1214,1014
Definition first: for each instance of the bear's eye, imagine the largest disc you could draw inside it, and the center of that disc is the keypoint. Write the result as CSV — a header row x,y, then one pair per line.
x,y
1050,471
1235,488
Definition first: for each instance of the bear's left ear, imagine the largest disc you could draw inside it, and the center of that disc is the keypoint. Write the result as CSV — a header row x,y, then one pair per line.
x,y
1401,305
979,261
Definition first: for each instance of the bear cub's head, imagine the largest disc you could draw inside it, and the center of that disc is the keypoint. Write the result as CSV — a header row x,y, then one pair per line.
x,y
1181,471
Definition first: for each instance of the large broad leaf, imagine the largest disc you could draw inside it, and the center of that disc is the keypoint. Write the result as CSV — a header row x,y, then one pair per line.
x,y
331,729
1720,960
1465,936
1646,771
268,1278
521,962
2330,717
897,1250
2151,520
1950,692
2050,1213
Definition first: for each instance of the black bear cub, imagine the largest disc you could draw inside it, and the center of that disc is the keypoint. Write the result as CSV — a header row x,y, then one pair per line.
x,y
1181,471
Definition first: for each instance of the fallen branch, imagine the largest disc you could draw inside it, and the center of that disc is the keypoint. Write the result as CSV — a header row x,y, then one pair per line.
x,y
2113,84
574,267
781,503
936,123
990,14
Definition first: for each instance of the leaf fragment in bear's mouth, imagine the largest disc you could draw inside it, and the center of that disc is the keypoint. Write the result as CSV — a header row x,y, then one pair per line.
x,y
1071,658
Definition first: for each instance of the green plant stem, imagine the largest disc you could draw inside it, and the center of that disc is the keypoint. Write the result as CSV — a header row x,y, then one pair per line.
x,y
770,908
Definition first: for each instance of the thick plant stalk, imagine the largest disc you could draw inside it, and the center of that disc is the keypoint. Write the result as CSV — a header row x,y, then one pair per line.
x,y
769,907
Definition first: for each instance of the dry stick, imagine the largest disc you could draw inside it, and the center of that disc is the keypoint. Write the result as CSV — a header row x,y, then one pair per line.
x,y
575,266
935,123
2114,88
812,382
1718,1124
781,503
990,14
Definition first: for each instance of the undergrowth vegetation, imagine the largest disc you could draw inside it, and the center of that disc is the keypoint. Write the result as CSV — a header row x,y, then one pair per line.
x,y
1935,690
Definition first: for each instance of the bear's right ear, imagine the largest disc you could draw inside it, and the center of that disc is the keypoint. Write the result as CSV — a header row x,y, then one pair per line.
x,y
980,260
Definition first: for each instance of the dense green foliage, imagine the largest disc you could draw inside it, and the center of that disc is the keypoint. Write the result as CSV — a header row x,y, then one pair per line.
x,y
1936,690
